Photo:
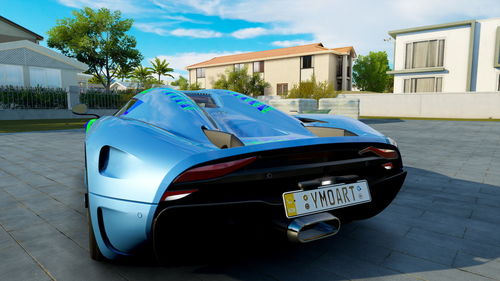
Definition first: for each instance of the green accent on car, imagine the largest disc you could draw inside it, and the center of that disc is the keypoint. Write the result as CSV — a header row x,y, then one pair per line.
x,y
89,124
470,23
145,91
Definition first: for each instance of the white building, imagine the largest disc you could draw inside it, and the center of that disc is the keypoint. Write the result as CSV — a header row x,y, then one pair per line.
x,y
452,57
283,68
24,63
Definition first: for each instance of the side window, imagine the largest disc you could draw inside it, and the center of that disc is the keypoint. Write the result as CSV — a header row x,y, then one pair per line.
x,y
239,66
200,73
282,89
429,53
423,85
306,62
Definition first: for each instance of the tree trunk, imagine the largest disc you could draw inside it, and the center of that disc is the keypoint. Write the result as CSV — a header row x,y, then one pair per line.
x,y
108,86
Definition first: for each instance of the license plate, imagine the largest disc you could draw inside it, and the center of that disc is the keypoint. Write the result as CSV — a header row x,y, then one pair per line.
x,y
328,197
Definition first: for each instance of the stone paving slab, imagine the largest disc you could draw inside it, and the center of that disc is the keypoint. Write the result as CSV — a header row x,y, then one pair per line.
x,y
444,224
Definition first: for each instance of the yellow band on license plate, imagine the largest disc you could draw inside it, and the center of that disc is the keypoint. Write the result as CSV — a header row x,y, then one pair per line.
x,y
324,198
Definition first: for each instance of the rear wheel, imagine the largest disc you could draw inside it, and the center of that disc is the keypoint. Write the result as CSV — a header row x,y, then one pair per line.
x,y
95,253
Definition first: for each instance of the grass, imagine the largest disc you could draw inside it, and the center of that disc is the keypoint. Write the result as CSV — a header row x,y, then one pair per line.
x,y
13,126
423,118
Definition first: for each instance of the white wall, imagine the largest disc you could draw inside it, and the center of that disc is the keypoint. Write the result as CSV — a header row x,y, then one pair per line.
x,y
487,75
456,56
430,105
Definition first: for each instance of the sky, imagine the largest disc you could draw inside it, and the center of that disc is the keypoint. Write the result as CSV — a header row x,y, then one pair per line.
x,y
189,31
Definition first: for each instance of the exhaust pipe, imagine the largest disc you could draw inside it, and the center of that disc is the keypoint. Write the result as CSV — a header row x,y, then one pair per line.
x,y
313,227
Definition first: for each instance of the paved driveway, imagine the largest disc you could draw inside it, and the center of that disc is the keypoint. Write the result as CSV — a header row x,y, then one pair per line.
x,y
444,225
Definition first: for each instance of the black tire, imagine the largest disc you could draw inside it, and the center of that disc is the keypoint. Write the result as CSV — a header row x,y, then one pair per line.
x,y
95,253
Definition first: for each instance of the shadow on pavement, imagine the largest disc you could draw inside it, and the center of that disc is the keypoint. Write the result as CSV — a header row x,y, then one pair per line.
x,y
436,223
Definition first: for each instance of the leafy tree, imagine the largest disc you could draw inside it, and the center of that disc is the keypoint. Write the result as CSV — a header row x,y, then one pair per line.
x,y
240,81
181,82
184,84
369,72
94,80
99,39
312,89
143,76
160,67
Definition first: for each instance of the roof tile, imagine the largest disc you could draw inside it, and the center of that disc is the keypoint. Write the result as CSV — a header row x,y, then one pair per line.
x,y
267,54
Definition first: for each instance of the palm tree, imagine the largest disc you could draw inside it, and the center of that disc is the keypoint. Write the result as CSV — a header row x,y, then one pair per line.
x,y
160,67
123,73
142,74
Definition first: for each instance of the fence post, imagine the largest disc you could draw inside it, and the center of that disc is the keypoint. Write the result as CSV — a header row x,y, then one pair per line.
x,y
73,96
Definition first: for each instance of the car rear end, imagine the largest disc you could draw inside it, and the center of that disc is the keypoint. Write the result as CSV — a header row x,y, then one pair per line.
x,y
323,181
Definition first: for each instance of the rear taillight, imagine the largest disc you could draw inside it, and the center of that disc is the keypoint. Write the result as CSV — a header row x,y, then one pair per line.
x,y
174,195
384,153
213,171
388,166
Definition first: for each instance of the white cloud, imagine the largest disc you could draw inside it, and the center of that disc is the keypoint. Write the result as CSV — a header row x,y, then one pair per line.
x,y
126,6
249,32
158,28
291,43
197,33
252,32
183,19
362,23
180,61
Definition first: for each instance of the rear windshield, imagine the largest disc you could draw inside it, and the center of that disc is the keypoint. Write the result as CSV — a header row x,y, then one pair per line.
x,y
202,100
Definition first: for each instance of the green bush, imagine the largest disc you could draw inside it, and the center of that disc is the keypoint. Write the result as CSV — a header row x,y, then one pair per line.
x,y
12,97
312,89
240,81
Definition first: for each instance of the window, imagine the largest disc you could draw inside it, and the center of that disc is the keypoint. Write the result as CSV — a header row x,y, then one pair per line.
x,y
11,75
306,62
239,66
424,54
45,77
200,73
282,88
340,65
258,66
423,85
339,85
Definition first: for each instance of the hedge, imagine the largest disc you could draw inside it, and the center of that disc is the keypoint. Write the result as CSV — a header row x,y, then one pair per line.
x,y
12,97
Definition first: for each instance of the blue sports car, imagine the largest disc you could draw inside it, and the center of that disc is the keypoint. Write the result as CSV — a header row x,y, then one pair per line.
x,y
169,158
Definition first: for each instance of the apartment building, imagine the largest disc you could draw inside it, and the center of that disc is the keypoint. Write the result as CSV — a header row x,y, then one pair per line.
x,y
282,68
459,56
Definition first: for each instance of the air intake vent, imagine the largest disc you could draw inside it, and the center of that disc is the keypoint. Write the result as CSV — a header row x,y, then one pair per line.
x,y
222,139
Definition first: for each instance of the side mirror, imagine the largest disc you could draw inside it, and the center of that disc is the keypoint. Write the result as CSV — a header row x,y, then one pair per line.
x,y
82,109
